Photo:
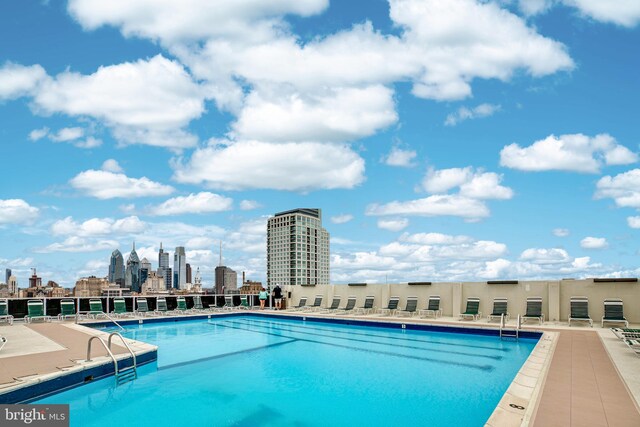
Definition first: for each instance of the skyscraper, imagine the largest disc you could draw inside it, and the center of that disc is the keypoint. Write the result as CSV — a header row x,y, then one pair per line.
x,y
163,267
179,268
116,268
297,248
226,279
7,275
145,270
132,273
188,269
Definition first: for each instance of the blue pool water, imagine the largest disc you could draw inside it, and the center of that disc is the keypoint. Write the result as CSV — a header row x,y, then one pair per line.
x,y
259,371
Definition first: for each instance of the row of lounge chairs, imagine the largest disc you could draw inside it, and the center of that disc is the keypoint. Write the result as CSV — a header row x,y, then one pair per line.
x,y
631,337
579,308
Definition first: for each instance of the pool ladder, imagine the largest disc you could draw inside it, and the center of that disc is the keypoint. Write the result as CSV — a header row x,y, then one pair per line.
x,y
509,333
124,375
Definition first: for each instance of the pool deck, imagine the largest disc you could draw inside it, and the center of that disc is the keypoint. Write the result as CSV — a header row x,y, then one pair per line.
x,y
574,374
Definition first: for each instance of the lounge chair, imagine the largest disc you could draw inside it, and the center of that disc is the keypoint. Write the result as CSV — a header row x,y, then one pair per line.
x,y
317,304
161,307
534,309
351,303
244,303
143,307
499,309
3,341
410,308
391,307
634,345
473,305
433,307
228,303
120,308
367,306
335,303
626,333
579,310
95,309
67,309
35,311
182,306
197,304
4,312
301,305
613,312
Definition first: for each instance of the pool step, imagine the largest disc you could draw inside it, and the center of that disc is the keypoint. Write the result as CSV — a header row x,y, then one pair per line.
x,y
127,374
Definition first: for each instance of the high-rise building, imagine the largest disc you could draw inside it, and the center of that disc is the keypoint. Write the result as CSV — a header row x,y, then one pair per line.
x,y
12,284
145,270
163,267
188,269
179,268
7,275
116,268
297,248
226,279
132,273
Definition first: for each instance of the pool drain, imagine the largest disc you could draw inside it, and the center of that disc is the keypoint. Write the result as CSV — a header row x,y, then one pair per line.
x,y
514,406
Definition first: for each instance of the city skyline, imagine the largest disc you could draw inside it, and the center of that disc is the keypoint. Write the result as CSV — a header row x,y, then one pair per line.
x,y
437,147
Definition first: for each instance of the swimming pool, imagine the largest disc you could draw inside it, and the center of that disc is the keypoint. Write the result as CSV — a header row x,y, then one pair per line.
x,y
263,371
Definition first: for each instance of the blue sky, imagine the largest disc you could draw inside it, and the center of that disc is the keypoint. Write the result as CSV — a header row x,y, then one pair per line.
x,y
444,141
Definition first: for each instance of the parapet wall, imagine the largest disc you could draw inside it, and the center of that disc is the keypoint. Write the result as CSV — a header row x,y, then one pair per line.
x,y
453,295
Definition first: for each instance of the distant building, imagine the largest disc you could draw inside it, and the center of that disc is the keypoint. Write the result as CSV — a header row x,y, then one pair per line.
x,y
116,268
132,273
145,269
154,283
12,286
188,270
179,268
163,267
226,279
297,248
7,275
90,286
35,282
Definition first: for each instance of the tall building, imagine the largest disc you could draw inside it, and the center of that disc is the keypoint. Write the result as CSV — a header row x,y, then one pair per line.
x,y
226,279
7,275
179,268
188,269
145,270
297,248
163,267
91,286
132,273
116,268
12,284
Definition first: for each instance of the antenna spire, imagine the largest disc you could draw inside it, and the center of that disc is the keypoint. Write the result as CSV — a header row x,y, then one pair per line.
x,y
220,253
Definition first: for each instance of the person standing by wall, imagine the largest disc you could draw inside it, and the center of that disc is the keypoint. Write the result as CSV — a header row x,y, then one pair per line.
x,y
263,298
277,295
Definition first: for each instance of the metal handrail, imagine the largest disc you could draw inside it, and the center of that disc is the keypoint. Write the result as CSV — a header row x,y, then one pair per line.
x,y
105,314
115,362
133,355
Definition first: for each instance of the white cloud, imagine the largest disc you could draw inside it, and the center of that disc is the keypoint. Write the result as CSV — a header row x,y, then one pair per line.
x,y
623,188
250,237
67,134
560,232
472,184
545,256
98,227
17,211
147,102
70,135
400,157
576,152
38,134
341,219
200,243
108,185
249,205
434,239
593,243
534,7
335,115
259,165
621,12
436,205
393,224
633,221
111,165
18,80
203,202
464,113
79,244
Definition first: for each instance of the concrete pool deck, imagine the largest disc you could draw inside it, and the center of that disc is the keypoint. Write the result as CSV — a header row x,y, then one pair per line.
x,y
574,376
